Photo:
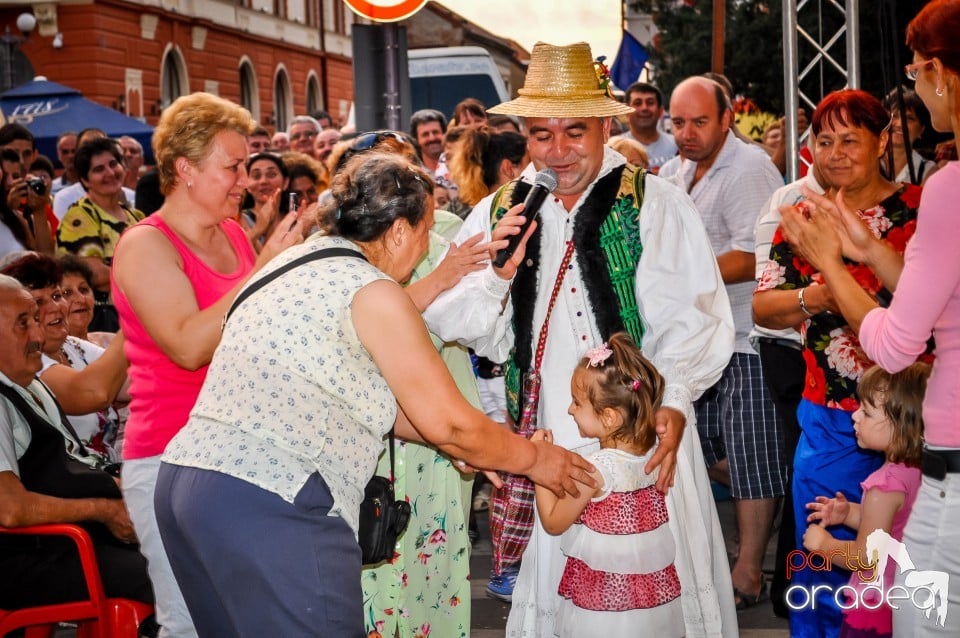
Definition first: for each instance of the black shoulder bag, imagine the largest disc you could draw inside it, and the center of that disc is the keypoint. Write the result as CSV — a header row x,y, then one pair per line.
x,y
382,517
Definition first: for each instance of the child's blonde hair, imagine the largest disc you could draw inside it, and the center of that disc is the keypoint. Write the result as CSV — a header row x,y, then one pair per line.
x,y
626,382
900,396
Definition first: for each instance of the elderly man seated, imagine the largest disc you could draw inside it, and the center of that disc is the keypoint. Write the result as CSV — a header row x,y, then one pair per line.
x,y
40,483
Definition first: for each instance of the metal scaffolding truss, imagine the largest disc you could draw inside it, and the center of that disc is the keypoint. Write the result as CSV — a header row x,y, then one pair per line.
x,y
819,44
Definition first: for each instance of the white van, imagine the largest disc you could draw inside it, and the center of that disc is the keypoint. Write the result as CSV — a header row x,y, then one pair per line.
x,y
442,77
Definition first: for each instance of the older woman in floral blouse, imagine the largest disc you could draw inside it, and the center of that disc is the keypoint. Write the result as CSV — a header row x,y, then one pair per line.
x,y
851,129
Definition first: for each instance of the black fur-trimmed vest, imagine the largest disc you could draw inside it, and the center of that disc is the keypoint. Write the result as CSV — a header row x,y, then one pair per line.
x,y
606,235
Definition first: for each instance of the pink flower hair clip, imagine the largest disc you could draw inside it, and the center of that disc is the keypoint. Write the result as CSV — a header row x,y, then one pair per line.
x,y
635,385
597,356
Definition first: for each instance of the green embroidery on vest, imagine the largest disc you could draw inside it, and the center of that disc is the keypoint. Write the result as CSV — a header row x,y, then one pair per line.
x,y
501,202
511,372
622,248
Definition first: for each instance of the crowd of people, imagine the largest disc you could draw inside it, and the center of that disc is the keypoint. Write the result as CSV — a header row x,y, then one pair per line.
x,y
201,360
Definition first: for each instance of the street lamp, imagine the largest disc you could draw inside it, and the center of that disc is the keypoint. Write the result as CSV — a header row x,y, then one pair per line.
x,y
26,23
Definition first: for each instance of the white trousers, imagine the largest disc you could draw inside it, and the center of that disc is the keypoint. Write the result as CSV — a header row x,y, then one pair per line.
x,y
932,539
139,482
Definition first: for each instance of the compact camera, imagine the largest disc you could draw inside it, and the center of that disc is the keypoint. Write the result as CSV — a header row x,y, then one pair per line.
x,y
36,185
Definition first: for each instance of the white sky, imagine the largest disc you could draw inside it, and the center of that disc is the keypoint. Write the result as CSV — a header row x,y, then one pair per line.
x,y
554,21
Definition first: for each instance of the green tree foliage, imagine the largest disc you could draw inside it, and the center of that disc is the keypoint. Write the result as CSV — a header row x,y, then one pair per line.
x,y
753,57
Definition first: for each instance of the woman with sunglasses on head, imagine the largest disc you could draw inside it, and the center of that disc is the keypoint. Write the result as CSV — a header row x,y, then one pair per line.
x,y
850,129
432,550
259,496
926,279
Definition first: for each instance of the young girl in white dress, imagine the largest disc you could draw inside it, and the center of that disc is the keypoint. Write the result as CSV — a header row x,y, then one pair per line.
x,y
619,576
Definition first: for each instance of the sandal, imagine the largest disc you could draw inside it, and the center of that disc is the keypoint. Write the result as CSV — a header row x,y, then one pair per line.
x,y
743,600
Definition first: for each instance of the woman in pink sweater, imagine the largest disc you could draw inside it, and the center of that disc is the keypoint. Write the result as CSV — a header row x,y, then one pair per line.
x,y
926,304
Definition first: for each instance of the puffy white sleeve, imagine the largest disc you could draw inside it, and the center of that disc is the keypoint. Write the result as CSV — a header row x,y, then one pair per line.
x,y
689,332
476,312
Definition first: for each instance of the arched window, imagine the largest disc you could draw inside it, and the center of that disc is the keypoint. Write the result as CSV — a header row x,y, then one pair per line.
x,y
173,77
249,93
282,99
314,97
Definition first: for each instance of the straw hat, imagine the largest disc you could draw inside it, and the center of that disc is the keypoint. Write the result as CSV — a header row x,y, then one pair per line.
x,y
562,82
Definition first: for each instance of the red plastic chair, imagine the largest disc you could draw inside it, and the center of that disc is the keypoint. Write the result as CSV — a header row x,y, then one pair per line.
x,y
96,617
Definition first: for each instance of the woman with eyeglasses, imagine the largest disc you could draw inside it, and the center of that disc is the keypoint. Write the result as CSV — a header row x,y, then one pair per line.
x,y
926,303
850,130
174,276
259,495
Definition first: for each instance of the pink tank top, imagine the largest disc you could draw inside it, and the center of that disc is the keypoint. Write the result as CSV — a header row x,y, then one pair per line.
x,y
162,392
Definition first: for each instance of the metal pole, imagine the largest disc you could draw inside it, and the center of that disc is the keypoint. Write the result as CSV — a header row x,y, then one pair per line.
x,y
392,68
853,44
790,87
9,46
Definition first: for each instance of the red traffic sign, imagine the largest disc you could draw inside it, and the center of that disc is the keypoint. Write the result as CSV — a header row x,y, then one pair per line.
x,y
385,10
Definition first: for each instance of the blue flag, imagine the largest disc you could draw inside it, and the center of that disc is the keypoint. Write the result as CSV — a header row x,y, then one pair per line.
x,y
631,58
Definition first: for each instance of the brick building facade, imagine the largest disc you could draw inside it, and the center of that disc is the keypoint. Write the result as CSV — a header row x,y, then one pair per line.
x,y
276,57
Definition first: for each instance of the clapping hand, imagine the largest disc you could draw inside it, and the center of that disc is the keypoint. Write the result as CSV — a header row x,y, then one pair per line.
x,y
829,511
855,236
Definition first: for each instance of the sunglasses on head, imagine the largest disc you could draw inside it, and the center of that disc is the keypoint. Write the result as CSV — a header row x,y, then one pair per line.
x,y
367,141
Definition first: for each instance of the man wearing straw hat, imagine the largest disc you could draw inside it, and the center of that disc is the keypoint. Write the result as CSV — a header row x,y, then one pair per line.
x,y
634,256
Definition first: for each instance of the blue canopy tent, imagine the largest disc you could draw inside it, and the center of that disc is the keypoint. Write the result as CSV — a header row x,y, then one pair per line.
x,y
48,109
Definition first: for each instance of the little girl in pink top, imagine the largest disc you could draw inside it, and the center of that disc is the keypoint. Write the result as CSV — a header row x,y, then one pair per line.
x,y
889,421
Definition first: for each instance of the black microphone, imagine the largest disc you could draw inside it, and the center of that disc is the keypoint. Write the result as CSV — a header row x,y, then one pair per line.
x,y
543,184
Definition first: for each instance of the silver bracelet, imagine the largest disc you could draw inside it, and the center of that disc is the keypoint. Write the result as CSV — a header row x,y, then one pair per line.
x,y
803,306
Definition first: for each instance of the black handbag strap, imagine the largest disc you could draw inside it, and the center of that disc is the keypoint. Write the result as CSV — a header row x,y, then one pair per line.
x,y
263,281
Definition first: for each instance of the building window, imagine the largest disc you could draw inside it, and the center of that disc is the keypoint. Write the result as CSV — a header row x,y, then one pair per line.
x,y
296,10
249,95
339,22
173,77
314,97
282,100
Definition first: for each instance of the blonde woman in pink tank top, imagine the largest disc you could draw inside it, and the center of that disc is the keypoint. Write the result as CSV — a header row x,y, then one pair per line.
x,y
174,276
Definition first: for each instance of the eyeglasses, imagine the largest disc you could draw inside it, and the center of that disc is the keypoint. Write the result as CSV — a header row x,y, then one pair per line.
x,y
911,70
304,134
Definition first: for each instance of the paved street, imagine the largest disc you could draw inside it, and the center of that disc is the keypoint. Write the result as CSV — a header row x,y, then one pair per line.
x,y
490,615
